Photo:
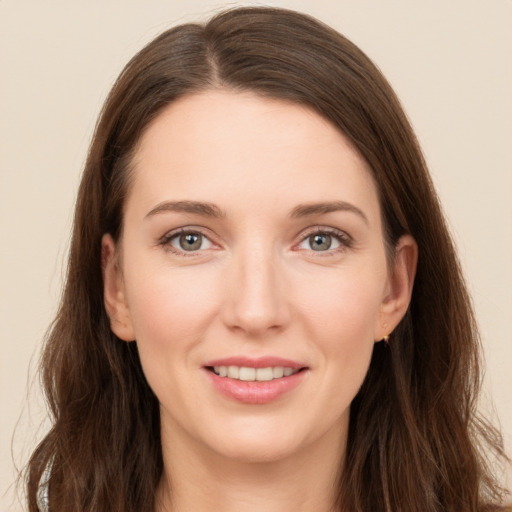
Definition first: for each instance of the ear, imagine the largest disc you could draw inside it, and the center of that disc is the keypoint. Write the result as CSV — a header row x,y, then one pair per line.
x,y
114,291
398,292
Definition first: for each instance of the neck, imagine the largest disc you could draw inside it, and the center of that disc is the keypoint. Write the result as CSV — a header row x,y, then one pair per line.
x,y
196,479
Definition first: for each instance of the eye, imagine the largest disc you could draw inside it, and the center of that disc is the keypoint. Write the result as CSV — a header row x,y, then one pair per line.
x,y
187,241
320,242
325,241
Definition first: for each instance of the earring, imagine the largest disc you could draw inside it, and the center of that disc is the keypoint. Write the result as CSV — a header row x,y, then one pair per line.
x,y
386,339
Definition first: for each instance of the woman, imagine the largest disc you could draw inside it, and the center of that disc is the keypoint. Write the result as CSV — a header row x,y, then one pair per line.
x,y
263,305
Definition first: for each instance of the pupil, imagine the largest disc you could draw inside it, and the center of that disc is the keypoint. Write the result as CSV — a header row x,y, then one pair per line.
x,y
320,242
190,241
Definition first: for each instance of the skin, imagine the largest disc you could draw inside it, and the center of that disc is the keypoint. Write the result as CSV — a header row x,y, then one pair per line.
x,y
254,286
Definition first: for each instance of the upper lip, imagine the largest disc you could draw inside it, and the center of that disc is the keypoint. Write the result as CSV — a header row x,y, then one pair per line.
x,y
258,362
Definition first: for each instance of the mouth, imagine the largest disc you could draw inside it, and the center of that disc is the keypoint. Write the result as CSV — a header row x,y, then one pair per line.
x,y
251,374
255,381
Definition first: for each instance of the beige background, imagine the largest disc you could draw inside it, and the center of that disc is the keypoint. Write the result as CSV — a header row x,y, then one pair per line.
x,y
450,62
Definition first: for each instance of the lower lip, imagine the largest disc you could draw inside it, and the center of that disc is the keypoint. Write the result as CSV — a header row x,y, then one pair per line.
x,y
255,392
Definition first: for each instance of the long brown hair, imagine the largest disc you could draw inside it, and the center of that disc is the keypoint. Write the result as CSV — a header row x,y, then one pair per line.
x,y
415,441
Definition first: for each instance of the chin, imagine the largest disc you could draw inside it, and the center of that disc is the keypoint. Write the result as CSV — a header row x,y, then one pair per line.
x,y
258,451
260,443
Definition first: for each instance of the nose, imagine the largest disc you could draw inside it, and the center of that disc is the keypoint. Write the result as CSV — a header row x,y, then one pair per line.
x,y
256,300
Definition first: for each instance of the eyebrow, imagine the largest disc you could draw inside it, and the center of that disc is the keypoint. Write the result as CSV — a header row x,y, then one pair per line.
x,y
212,210
304,210
194,207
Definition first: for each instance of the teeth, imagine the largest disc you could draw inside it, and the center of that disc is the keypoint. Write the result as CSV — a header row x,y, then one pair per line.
x,y
246,373
233,372
277,372
264,374
222,371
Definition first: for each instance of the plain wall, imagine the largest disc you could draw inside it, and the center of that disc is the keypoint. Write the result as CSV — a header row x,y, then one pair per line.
x,y
450,63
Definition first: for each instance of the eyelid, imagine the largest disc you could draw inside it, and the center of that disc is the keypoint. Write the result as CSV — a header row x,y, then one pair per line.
x,y
166,239
345,240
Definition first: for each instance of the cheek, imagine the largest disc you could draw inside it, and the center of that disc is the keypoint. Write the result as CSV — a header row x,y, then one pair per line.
x,y
340,317
170,310
339,310
171,306
343,306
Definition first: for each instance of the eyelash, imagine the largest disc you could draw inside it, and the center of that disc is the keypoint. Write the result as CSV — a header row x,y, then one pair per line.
x,y
166,240
345,241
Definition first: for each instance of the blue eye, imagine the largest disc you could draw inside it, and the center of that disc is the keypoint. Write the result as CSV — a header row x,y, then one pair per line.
x,y
321,242
189,241
325,241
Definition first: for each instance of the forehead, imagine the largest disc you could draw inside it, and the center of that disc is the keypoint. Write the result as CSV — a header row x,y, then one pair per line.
x,y
222,146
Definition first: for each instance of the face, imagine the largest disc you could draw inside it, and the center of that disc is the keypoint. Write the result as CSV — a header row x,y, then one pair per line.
x,y
252,273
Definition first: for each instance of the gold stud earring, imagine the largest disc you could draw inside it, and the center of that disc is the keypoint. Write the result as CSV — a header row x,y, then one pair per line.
x,y
386,339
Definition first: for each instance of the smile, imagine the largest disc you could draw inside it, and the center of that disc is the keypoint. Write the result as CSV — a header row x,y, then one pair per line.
x,y
245,373
255,381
